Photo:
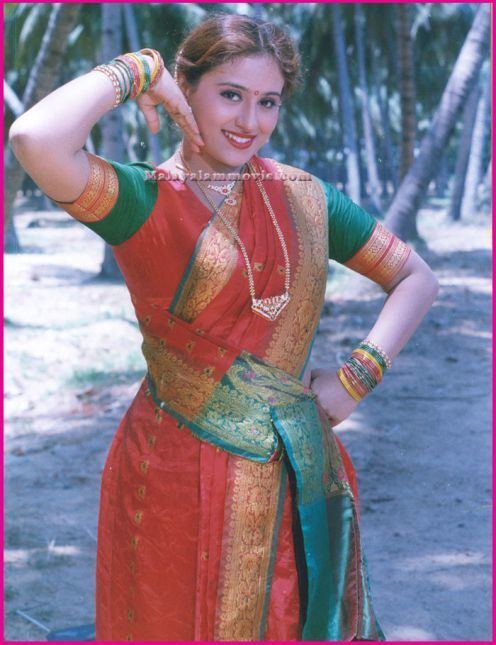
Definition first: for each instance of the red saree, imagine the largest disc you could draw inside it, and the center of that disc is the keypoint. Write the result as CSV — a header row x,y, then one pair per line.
x,y
196,543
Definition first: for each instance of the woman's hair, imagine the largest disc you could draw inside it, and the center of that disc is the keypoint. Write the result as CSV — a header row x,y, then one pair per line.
x,y
223,38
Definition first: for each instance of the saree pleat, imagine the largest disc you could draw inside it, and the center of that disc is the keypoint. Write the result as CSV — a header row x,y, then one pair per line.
x,y
195,541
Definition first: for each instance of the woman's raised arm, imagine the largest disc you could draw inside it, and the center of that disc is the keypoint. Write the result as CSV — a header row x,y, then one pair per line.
x,y
48,138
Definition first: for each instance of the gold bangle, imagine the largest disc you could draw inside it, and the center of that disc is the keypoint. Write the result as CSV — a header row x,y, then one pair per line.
x,y
369,356
347,386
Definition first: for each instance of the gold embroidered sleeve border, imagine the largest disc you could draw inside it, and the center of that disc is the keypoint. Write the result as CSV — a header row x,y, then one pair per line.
x,y
99,195
381,257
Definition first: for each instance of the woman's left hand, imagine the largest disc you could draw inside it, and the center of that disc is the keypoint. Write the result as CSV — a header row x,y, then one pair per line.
x,y
332,395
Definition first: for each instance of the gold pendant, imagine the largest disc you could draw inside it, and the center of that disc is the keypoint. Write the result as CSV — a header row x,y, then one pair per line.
x,y
270,308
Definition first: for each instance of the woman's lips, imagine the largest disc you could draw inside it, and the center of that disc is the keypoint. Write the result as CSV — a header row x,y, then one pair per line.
x,y
238,144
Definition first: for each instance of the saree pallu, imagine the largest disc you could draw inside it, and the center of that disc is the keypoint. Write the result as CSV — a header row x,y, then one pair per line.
x,y
228,506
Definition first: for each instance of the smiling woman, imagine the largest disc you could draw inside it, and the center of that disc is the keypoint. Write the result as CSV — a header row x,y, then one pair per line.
x,y
229,508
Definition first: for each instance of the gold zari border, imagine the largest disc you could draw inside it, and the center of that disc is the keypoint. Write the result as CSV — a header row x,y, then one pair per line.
x,y
290,342
99,195
381,257
252,502
214,263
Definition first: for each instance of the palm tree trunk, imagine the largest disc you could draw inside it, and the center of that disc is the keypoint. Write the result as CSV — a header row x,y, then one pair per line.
x,y
479,137
401,215
383,103
113,146
368,133
346,107
442,177
42,80
406,86
154,147
463,153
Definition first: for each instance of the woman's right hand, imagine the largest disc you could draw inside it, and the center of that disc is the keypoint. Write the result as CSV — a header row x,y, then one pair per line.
x,y
167,92
332,395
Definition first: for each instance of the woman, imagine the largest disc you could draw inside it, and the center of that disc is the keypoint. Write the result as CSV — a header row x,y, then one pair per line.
x,y
228,506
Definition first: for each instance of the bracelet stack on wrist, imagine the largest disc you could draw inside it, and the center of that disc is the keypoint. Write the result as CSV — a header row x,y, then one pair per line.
x,y
364,370
131,75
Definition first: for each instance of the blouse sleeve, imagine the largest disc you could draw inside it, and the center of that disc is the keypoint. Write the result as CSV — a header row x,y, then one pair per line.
x,y
117,199
358,241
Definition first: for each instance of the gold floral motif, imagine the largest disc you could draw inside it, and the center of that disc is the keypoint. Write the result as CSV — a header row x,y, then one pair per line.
x,y
215,261
140,492
144,466
296,325
381,257
184,387
99,195
250,513
151,441
138,516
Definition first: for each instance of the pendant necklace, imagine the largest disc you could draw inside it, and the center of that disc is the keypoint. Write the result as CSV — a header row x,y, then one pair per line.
x,y
269,308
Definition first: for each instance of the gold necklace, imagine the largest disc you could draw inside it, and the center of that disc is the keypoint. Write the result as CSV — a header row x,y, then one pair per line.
x,y
270,307
223,190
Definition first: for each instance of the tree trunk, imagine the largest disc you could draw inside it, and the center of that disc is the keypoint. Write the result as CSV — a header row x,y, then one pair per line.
x,y
406,87
12,100
154,148
389,156
479,136
443,176
42,80
113,146
400,217
368,133
346,108
463,153
485,197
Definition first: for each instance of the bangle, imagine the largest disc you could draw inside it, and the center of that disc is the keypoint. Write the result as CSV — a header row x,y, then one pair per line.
x,y
364,369
379,350
159,65
110,73
132,75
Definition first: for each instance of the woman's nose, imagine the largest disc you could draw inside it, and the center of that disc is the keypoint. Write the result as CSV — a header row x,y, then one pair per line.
x,y
247,117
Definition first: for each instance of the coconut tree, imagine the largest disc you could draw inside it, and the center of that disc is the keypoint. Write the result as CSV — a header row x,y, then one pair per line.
x,y
346,106
468,121
400,216
479,139
42,80
368,133
406,86
113,145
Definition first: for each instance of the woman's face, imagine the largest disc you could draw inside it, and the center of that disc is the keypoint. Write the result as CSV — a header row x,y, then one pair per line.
x,y
237,99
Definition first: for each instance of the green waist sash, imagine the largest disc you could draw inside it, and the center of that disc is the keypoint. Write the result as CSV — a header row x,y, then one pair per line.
x,y
262,413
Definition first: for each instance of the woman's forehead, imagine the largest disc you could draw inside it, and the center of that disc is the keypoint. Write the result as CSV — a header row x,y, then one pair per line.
x,y
260,73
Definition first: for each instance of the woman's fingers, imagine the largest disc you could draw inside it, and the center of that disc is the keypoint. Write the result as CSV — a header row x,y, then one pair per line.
x,y
182,114
151,117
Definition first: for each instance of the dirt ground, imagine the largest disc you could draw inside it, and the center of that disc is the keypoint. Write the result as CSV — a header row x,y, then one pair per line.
x,y
421,443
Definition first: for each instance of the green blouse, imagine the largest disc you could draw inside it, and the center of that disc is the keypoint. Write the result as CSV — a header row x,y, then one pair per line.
x,y
119,198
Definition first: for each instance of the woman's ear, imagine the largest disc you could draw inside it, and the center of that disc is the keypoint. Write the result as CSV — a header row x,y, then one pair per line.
x,y
183,85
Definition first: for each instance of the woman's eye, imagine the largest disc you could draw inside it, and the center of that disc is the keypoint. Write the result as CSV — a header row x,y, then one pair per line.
x,y
229,94
269,103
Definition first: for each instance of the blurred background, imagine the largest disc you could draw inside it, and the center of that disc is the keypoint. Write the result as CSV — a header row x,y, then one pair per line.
x,y
395,111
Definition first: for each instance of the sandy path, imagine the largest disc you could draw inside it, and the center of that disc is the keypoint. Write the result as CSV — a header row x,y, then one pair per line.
x,y
421,443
